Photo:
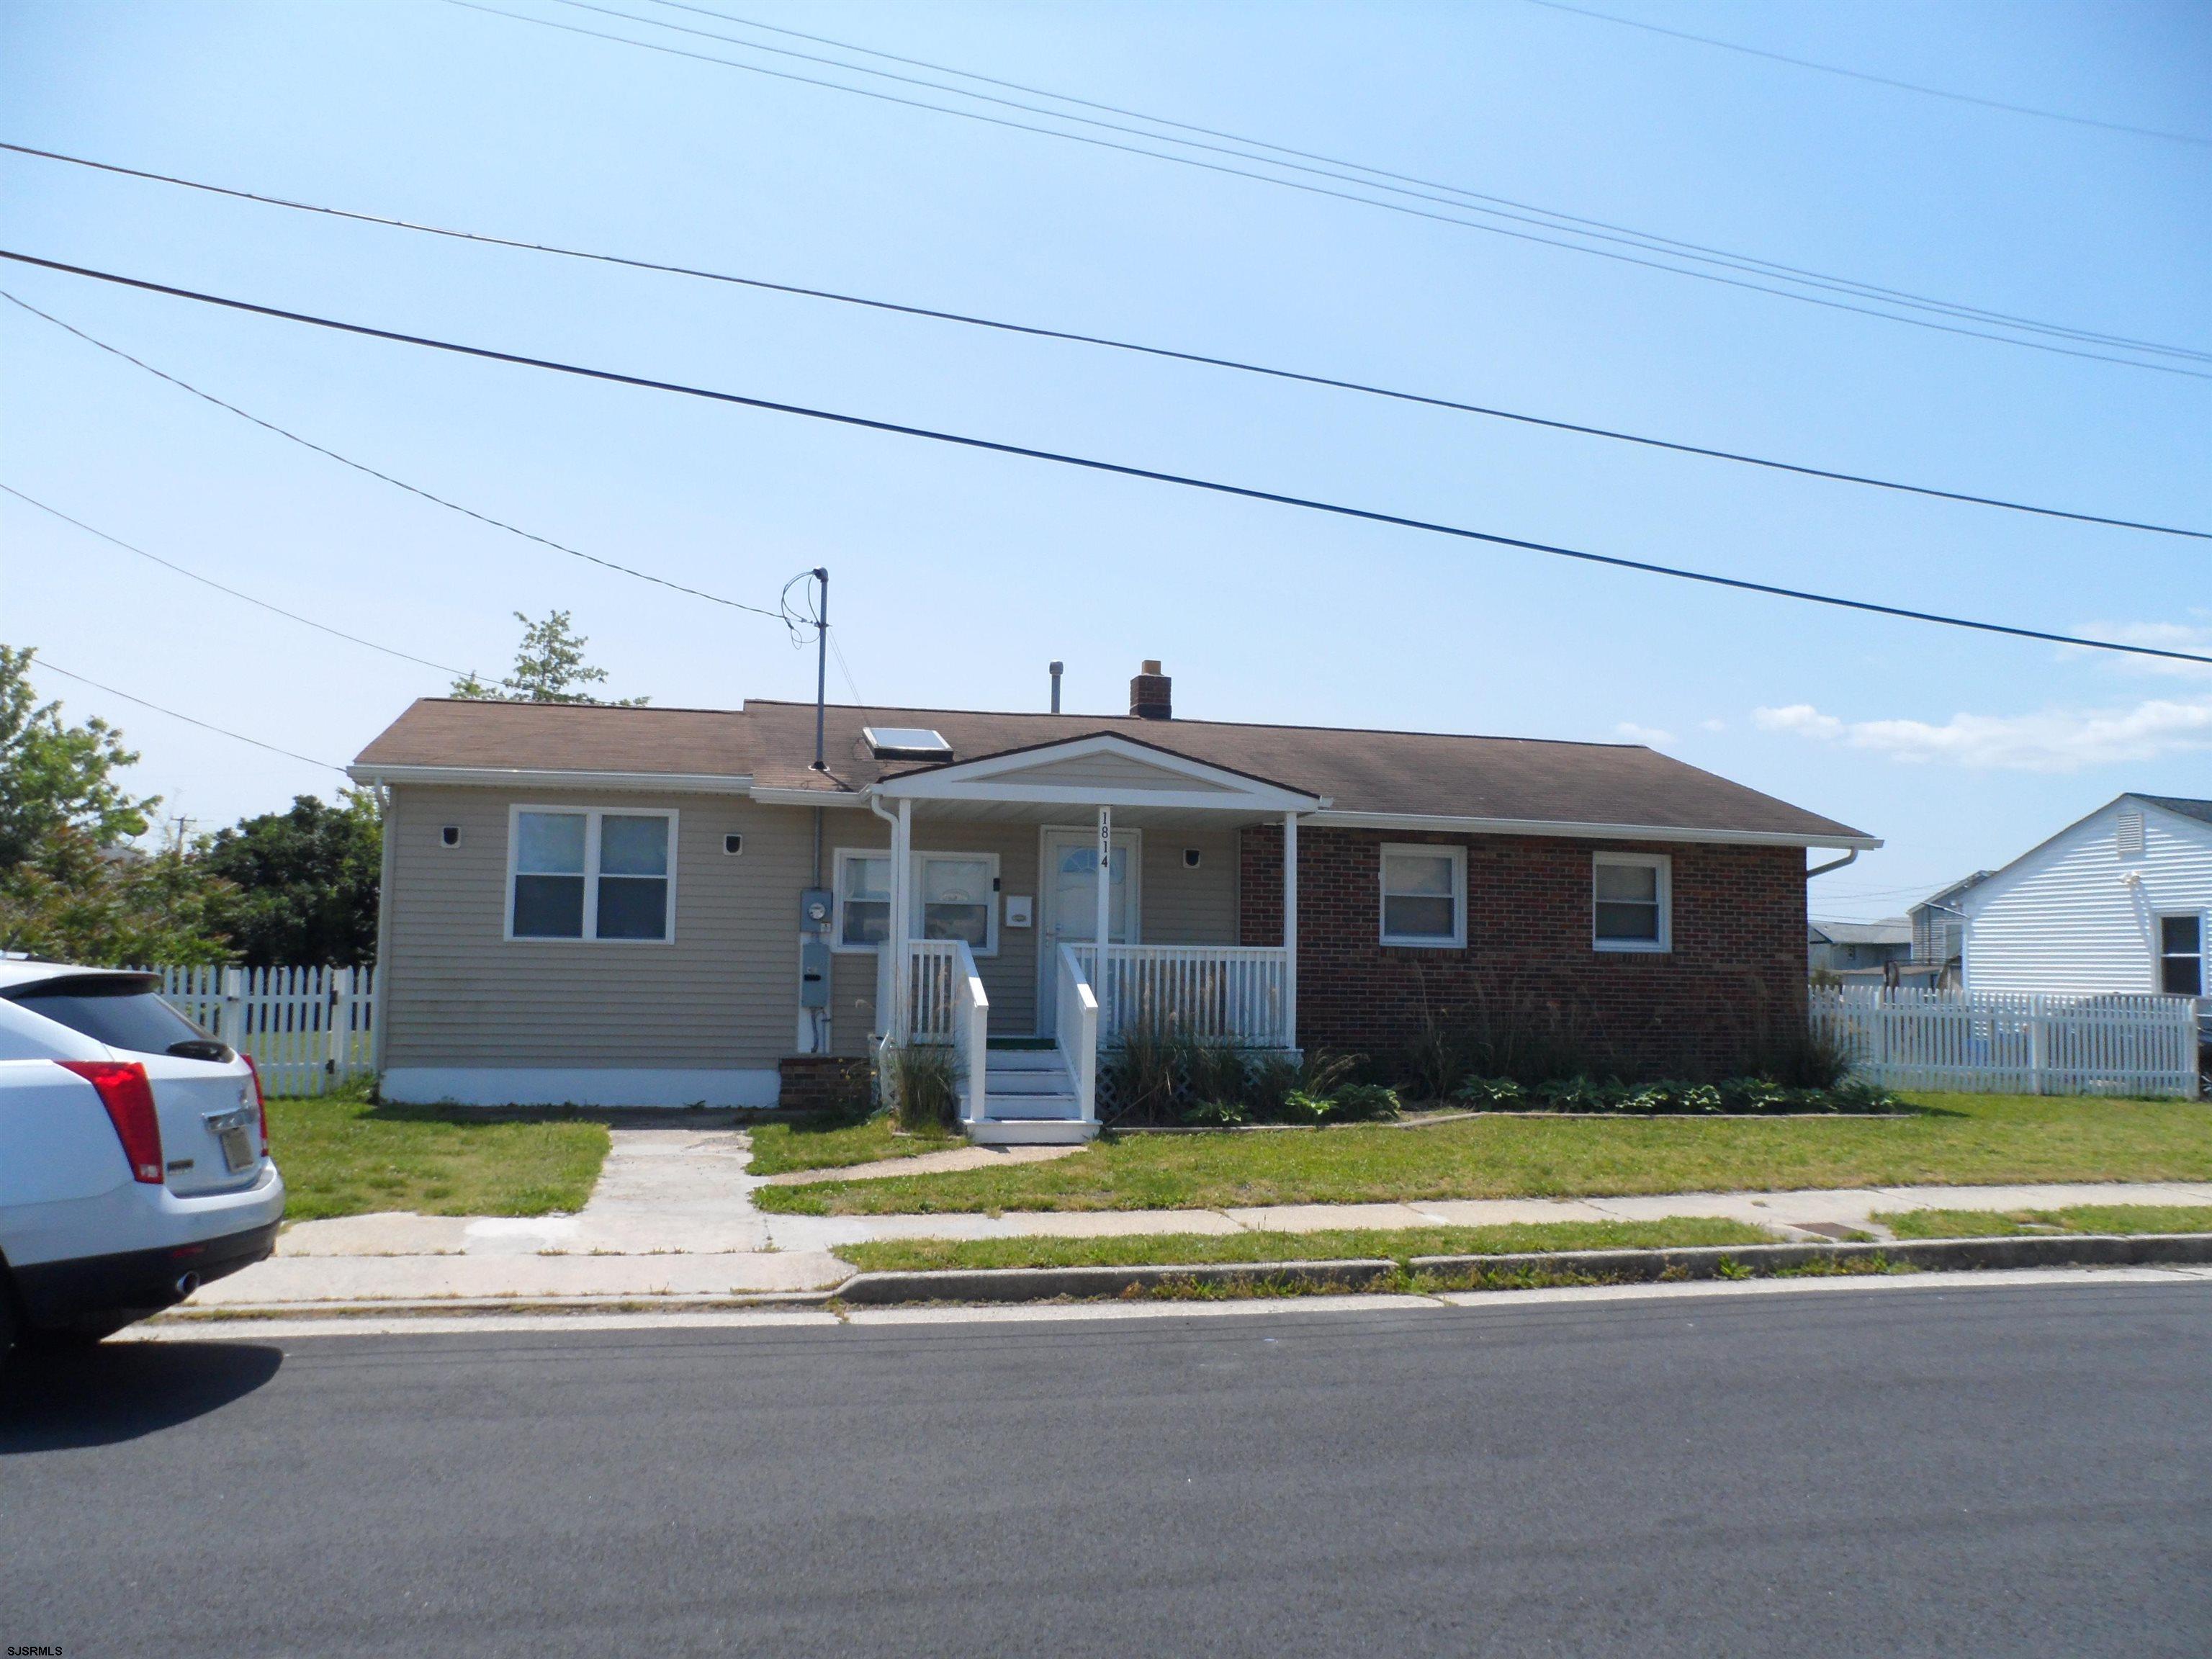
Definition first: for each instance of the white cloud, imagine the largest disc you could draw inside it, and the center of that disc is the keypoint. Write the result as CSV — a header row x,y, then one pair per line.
x,y
1635,733
2055,740
2195,637
1713,725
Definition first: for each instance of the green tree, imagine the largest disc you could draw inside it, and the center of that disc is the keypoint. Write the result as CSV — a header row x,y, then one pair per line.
x,y
300,885
549,666
75,900
55,777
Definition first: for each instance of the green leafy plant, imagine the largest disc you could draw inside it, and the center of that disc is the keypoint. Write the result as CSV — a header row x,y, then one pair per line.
x,y
1363,1102
1493,1093
1299,1107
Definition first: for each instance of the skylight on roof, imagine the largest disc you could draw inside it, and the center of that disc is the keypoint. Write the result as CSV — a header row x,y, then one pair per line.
x,y
906,743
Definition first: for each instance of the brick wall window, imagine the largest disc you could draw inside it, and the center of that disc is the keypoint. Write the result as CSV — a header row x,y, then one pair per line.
x,y
1425,896
1631,897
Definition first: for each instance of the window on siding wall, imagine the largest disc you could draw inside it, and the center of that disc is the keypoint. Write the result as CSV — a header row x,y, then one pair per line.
x,y
864,899
591,875
2181,955
956,895
1629,902
1425,896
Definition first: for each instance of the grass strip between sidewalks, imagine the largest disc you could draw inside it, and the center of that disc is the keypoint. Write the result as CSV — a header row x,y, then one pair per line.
x,y
2075,1218
341,1156
1954,1139
1198,1249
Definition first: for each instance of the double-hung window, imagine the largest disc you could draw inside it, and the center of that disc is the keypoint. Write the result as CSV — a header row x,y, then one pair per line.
x,y
958,894
1631,901
2181,955
1425,896
588,874
864,899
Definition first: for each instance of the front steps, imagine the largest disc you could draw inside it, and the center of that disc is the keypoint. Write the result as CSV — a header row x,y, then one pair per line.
x,y
1028,1100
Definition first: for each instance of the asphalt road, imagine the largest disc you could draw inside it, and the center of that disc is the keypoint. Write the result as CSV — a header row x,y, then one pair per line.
x,y
1985,1472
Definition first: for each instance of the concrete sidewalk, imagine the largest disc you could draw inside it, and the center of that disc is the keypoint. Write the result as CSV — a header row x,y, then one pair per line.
x,y
672,1219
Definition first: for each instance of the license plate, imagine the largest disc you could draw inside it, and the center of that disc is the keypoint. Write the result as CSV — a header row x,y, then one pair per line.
x,y
238,1150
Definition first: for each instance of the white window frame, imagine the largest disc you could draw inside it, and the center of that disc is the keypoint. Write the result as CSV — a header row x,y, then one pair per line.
x,y
591,817
1664,864
844,855
2160,956
953,854
1421,941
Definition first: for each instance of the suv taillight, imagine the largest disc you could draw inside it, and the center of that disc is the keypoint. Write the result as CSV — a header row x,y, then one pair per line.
x,y
260,1101
128,1094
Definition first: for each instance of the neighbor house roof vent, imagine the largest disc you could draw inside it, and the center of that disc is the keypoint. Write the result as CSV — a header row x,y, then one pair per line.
x,y
906,743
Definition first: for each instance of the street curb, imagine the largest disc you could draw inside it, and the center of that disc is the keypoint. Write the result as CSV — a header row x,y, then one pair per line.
x,y
1931,1254
1616,1266
431,1306
1047,1284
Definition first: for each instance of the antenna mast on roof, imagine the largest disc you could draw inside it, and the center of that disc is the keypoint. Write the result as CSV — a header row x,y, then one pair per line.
x,y
821,661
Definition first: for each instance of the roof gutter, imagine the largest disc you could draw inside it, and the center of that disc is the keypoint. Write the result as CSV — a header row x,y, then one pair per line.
x,y
481,777
1852,857
1569,828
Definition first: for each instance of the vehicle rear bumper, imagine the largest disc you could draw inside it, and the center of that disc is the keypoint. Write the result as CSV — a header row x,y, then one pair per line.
x,y
58,1294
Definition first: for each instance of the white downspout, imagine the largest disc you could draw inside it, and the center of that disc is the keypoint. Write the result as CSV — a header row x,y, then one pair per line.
x,y
1103,988
894,945
1290,929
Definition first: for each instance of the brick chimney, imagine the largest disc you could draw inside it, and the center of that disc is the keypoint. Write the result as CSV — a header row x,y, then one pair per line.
x,y
1149,698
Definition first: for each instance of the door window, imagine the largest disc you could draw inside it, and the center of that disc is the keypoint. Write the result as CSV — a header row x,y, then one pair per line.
x,y
1075,892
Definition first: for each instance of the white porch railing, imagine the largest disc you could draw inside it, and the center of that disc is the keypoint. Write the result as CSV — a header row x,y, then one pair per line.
x,y
1076,1031
308,1029
931,983
2013,1042
1222,992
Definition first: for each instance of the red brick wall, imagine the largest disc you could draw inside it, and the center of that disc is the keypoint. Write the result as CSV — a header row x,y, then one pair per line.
x,y
1736,971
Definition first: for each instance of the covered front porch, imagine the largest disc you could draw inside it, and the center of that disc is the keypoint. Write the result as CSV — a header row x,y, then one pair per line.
x,y
1002,878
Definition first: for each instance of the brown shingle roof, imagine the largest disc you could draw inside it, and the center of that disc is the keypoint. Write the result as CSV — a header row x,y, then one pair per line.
x,y
1406,773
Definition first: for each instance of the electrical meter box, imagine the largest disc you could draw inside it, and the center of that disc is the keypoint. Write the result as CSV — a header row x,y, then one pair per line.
x,y
814,906
814,975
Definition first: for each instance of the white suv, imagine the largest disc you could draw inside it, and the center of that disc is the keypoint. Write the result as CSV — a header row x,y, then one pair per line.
x,y
134,1153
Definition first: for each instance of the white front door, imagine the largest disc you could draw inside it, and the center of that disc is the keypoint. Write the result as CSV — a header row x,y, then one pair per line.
x,y
1068,904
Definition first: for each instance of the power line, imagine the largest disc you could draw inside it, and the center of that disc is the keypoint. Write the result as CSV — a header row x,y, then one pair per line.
x,y
1397,207
1378,178
238,737
292,616
1036,332
1115,468
398,483
1879,80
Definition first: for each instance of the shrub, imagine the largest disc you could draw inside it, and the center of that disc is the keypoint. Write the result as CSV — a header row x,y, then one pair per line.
x,y
1801,1060
1496,1093
1218,1074
1270,1081
1299,1107
1362,1102
1217,1114
923,1083
1142,1074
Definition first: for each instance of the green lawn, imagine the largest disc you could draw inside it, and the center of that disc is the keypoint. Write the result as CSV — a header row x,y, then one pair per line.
x,y
344,1157
831,1143
1398,1244
1954,1139
2076,1218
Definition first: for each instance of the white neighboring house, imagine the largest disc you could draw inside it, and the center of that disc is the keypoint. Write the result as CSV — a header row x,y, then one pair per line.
x,y
2120,901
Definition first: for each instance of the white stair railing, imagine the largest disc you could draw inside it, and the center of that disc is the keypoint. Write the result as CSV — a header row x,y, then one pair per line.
x,y
971,1020
1076,1033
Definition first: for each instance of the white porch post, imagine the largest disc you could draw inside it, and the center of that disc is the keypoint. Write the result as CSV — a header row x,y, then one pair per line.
x,y
1102,989
1290,929
902,860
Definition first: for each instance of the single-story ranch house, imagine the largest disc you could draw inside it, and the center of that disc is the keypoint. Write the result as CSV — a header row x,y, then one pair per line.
x,y
616,906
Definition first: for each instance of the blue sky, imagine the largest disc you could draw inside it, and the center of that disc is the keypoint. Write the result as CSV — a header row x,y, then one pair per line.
x,y
958,576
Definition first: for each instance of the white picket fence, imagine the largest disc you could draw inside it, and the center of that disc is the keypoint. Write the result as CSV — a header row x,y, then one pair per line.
x,y
308,1029
2013,1042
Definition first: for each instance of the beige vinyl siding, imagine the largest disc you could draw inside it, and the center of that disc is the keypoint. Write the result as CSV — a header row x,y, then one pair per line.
x,y
723,993
1105,771
1183,906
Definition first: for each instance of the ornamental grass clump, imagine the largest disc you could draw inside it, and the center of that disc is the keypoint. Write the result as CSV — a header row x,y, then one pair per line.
x,y
923,1081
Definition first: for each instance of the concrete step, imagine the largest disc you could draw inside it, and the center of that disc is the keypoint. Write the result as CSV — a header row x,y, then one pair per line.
x,y
1017,1131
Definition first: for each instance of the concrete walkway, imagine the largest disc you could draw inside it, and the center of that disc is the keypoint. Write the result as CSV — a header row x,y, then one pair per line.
x,y
673,1219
